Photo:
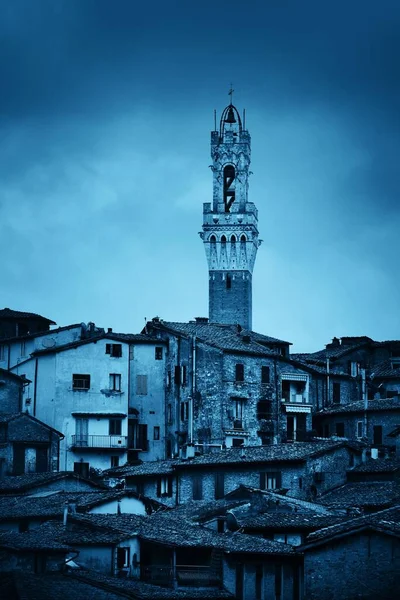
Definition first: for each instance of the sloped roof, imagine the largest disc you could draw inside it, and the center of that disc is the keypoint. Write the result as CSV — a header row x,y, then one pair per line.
x,y
384,520
29,481
4,373
290,521
53,504
378,465
168,529
384,370
126,338
355,407
224,337
7,417
36,539
135,589
285,452
145,469
8,313
362,494
30,336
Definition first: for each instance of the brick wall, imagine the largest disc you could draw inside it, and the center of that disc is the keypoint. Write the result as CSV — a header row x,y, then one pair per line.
x,y
234,304
359,566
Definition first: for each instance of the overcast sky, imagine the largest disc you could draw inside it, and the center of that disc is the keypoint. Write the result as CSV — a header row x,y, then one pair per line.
x,y
106,109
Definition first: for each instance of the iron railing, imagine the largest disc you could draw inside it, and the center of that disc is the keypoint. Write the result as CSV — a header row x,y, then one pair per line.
x,y
100,441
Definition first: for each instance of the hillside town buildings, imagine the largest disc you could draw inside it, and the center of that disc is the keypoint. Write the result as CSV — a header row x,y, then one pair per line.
x,y
198,459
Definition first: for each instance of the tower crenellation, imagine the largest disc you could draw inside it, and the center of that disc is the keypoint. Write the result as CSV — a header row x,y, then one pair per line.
x,y
230,224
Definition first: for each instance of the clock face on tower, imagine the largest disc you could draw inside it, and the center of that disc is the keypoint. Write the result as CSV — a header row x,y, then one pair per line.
x,y
229,187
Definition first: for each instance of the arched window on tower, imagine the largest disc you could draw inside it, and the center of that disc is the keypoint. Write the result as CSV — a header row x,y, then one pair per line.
x,y
228,281
233,239
223,239
213,239
229,187
243,238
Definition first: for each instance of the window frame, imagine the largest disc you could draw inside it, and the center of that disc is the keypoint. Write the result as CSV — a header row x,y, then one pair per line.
x,y
239,372
265,379
158,353
82,377
115,382
141,385
156,433
115,424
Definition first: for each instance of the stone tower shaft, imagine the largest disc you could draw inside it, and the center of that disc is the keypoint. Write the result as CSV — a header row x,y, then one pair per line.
x,y
230,232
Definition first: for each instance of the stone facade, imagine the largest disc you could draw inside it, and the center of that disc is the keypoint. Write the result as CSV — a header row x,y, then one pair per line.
x,y
230,232
361,565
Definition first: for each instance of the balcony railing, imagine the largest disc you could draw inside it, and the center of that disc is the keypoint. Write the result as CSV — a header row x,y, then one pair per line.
x,y
100,441
184,575
295,398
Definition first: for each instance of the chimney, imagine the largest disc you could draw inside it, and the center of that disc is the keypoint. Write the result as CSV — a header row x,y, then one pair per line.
x,y
109,329
201,320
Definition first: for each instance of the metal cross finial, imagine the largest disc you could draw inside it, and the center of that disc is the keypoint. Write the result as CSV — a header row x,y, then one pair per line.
x,y
230,93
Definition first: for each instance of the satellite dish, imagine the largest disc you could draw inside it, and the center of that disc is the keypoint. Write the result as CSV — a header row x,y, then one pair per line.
x,y
49,343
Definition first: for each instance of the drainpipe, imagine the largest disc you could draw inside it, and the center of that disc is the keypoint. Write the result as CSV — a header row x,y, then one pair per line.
x,y
35,387
327,382
365,399
191,412
278,403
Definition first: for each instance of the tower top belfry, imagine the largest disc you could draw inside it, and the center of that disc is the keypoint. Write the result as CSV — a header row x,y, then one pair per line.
x,y
230,223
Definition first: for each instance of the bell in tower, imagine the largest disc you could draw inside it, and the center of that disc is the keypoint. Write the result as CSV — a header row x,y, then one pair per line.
x,y
230,224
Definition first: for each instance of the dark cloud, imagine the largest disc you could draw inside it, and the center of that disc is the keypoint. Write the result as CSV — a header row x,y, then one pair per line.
x,y
105,114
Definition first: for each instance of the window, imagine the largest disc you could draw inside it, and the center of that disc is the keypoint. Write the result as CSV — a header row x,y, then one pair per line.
x,y
340,429
114,461
264,409
184,375
238,413
115,382
2,353
359,429
353,368
378,437
123,555
220,524
114,350
239,372
197,487
336,392
80,382
82,469
259,582
115,427
142,441
228,281
270,480
265,374
184,411
141,385
23,348
164,486
169,379
169,414
177,375
158,353
156,433
219,485
237,442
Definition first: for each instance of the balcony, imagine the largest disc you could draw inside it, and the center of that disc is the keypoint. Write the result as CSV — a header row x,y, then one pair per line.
x,y
184,575
113,442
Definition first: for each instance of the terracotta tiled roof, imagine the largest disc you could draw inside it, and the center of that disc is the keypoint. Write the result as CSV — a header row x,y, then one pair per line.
x,y
291,521
355,407
368,494
8,313
171,530
37,539
224,337
379,465
141,590
24,483
145,469
126,338
290,452
53,503
384,370
388,519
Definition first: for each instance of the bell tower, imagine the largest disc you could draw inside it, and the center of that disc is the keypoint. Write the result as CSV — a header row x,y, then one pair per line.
x,y
230,232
